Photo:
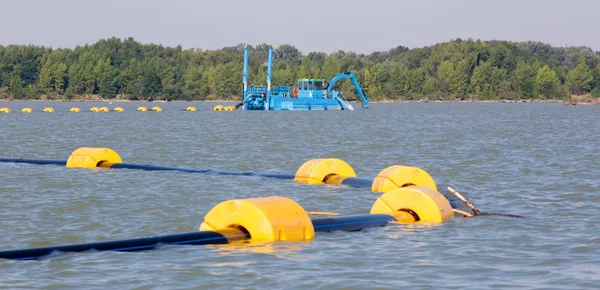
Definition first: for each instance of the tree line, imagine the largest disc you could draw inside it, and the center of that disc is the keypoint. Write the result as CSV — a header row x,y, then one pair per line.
x,y
458,69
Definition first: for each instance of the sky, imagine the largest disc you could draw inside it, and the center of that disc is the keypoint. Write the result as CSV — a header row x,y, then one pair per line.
x,y
362,26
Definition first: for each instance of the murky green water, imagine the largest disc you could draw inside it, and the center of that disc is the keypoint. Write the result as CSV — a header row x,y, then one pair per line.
x,y
537,160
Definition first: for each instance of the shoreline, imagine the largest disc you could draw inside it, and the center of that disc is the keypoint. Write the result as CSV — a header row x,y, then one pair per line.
x,y
595,102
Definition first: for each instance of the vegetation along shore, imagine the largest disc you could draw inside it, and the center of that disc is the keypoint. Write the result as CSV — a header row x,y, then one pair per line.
x,y
458,70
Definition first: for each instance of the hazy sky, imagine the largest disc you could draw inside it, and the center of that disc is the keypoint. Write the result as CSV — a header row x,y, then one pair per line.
x,y
362,26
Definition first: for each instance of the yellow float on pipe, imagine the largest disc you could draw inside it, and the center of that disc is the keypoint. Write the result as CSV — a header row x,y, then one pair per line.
x,y
191,109
397,176
229,108
104,109
157,109
272,219
75,110
48,110
317,170
94,109
142,109
414,203
4,110
335,171
27,110
92,157
119,109
218,108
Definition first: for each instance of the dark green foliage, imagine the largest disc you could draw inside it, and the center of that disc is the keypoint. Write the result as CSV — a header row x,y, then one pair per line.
x,y
459,69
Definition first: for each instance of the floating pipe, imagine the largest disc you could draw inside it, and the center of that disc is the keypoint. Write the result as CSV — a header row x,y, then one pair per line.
x,y
356,182
316,171
351,223
390,178
148,168
192,238
223,236
349,181
205,171
34,161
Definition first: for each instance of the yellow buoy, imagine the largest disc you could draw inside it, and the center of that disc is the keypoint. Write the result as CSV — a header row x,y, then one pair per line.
x,y
75,110
4,110
48,110
104,109
119,109
92,157
316,170
27,110
142,109
157,109
94,109
191,109
230,108
218,108
413,204
397,176
266,219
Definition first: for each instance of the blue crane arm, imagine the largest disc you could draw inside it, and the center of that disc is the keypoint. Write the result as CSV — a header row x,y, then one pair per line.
x,y
349,75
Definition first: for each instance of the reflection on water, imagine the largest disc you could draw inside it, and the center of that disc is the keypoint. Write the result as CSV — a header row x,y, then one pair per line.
x,y
279,249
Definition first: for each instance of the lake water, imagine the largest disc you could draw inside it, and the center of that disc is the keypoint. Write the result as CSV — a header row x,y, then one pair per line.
x,y
538,160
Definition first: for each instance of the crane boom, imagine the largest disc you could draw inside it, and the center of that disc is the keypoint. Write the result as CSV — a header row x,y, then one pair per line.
x,y
349,75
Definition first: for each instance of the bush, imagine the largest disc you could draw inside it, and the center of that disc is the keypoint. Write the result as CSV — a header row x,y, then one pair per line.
x,y
596,92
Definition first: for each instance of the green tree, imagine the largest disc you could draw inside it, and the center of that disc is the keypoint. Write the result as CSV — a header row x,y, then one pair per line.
x,y
103,75
579,79
288,52
596,85
59,77
490,69
371,88
486,81
414,85
284,76
81,75
446,75
127,78
429,86
195,86
16,86
546,83
460,79
46,77
304,71
331,67
524,80
399,79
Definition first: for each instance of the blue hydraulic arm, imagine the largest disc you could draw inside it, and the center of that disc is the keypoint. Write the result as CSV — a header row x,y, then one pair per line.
x,y
349,75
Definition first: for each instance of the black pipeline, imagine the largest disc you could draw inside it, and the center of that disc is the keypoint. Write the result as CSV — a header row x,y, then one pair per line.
x,y
147,167
315,171
349,181
224,236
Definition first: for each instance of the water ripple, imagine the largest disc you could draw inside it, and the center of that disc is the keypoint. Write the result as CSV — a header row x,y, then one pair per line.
x,y
535,160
